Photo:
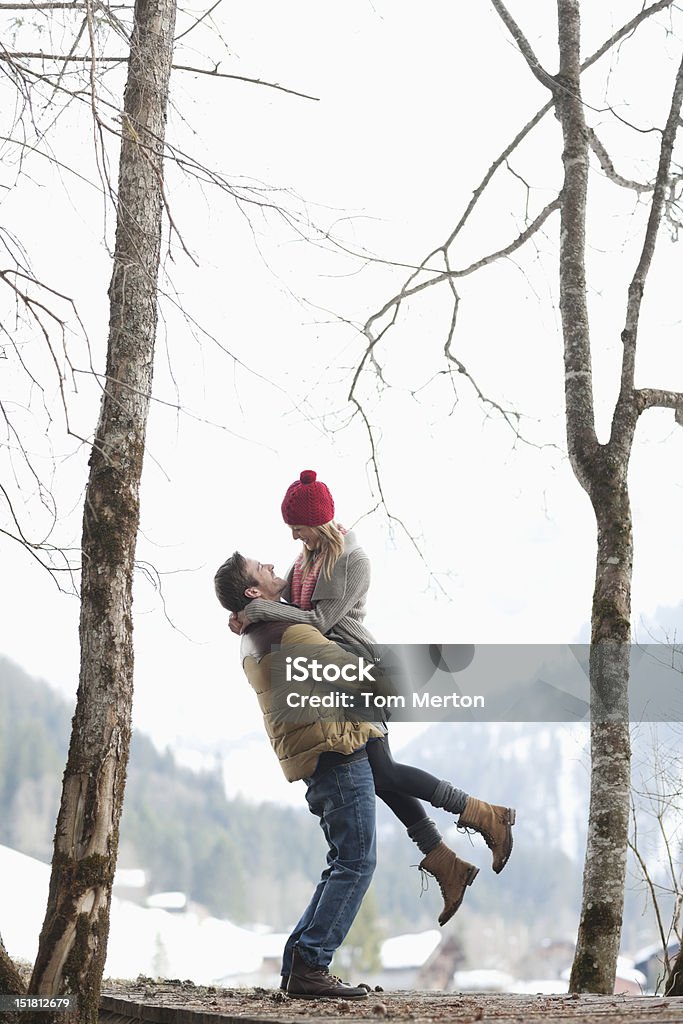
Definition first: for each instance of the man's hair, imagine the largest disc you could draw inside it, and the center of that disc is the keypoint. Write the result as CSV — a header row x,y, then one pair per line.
x,y
231,580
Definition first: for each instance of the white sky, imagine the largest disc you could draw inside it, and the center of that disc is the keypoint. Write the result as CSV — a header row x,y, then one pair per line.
x,y
413,108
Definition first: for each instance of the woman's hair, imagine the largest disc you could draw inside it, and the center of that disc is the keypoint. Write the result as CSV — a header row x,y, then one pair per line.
x,y
330,548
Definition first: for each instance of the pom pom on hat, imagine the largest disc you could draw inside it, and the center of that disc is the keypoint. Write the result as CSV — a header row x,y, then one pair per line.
x,y
308,501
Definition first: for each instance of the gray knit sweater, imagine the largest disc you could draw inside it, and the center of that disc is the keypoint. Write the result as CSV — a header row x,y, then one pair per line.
x,y
338,602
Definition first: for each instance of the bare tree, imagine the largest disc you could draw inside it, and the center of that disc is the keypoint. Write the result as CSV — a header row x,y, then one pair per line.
x,y
73,940
600,468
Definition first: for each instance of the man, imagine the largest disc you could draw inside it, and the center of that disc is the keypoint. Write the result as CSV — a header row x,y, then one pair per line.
x,y
330,757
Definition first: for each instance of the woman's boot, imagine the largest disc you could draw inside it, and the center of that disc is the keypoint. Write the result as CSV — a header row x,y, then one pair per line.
x,y
492,822
453,876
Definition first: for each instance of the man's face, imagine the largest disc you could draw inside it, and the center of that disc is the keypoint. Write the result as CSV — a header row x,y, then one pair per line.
x,y
268,585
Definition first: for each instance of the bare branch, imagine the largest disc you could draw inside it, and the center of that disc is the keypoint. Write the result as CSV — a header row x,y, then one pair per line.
x,y
383,502
620,34
60,6
654,398
524,46
408,288
198,21
406,292
510,416
608,167
633,846
35,551
74,45
623,413
178,407
10,55
536,224
215,73
393,306
626,30
211,72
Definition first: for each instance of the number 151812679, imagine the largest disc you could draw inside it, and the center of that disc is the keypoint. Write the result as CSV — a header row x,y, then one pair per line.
x,y
33,1004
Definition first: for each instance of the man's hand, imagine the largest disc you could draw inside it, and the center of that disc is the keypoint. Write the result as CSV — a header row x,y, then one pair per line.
x,y
236,625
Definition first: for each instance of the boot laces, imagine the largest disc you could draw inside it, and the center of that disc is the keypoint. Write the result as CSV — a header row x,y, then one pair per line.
x,y
469,831
319,970
424,883
324,971
333,977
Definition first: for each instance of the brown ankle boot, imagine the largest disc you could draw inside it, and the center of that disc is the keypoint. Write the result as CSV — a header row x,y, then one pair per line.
x,y
492,822
453,876
307,982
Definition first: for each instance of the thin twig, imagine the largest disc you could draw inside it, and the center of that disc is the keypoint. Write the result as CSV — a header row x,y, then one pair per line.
x,y
211,72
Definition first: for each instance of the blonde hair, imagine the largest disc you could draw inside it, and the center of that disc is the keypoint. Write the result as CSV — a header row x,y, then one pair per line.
x,y
330,548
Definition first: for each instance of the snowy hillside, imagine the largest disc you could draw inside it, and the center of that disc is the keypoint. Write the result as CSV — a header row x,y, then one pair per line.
x,y
141,941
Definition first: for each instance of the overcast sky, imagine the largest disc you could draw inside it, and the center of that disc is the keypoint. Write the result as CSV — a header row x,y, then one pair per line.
x,y
412,109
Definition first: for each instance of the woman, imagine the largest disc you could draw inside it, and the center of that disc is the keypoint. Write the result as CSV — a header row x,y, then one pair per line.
x,y
327,587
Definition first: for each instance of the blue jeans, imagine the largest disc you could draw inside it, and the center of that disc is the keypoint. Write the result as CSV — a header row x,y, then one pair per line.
x,y
343,798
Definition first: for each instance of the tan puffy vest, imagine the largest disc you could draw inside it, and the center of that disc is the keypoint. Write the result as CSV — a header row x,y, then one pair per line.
x,y
298,745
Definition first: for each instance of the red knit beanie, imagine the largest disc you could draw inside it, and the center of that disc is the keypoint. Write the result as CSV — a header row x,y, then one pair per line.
x,y
307,502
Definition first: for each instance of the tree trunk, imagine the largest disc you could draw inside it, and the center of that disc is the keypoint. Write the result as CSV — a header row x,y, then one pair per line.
x,y
594,967
10,980
73,941
601,470
674,985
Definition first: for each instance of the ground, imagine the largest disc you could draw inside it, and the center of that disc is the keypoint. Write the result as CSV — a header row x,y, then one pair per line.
x,y
181,1002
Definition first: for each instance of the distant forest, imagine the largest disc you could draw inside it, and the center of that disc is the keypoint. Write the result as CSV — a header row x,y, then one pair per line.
x,y
243,862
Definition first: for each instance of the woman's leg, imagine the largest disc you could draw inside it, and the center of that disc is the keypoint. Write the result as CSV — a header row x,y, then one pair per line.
x,y
452,873
491,821
410,812
403,778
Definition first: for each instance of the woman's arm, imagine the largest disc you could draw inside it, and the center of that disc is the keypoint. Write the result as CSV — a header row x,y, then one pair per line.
x,y
327,612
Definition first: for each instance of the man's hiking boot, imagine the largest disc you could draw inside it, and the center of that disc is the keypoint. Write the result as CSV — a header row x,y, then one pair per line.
x,y
284,978
306,982
453,876
492,822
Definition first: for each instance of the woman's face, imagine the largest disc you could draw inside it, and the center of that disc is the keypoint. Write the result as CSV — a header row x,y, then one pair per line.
x,y
307,535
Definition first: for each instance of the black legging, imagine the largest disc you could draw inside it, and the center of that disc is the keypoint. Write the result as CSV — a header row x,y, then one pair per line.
x,y
400,786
